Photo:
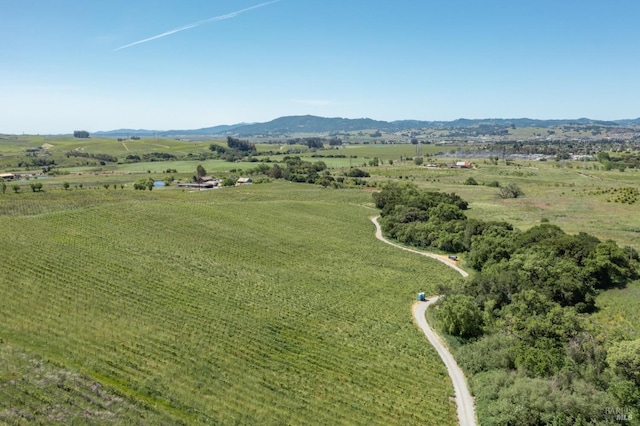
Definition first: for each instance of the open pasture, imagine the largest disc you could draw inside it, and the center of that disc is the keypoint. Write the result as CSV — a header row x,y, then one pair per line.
x,y
572,195
618,312
263,304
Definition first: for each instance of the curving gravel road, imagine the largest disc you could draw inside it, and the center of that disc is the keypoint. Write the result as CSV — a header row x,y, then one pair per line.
x,y
444,259
464,400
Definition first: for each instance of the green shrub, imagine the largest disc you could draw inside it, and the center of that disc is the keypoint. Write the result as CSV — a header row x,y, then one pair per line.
x,y
470,181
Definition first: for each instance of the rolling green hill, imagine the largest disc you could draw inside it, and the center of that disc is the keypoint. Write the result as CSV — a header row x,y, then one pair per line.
x,y
315,124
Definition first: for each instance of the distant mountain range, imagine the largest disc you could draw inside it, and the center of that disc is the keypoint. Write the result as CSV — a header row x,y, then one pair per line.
x,y
312,124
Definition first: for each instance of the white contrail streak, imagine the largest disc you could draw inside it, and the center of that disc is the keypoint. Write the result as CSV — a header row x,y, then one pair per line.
x,y
196,24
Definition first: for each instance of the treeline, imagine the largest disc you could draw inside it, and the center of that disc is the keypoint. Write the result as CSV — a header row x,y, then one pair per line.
x,y
100,157
228,154
315,142
150,157
317,155
523,318
235,150
621,162
36,162
240,145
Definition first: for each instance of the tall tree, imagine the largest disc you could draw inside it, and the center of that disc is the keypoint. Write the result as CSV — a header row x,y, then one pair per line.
x,y
624,360
460,316
200,173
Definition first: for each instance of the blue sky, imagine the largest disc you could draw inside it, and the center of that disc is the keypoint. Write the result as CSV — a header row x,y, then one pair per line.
x,y
63,66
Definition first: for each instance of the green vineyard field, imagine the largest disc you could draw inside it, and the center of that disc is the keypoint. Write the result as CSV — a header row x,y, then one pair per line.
x,y
270,304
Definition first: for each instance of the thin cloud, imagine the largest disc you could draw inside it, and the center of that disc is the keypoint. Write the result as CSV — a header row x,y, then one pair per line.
x,y
196,24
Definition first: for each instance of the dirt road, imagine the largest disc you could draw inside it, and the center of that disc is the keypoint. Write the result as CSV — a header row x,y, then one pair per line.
x,y
464,400
444,259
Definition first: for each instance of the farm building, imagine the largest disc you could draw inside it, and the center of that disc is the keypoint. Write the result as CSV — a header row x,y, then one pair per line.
x,y
7,176
244,181
463,164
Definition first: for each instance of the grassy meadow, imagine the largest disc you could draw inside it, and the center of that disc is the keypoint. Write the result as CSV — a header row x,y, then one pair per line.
x,y
575,197
264,304
618,312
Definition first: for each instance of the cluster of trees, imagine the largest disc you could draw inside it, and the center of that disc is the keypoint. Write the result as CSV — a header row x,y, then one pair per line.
x,y
568,269
36,162
151,156
310,142
235,150
421,218
101,157
523,316
36,157
142,184
132,158
510,191
36,187
240,145
627,160
158,156
357,173
295,169
374,162
228,154
315,142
